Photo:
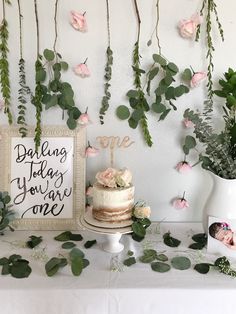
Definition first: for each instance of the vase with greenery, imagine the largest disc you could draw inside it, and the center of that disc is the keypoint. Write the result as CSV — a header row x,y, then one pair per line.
x,y
217,147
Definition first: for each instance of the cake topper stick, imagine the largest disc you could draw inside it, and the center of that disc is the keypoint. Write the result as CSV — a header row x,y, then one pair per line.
x,y
113,142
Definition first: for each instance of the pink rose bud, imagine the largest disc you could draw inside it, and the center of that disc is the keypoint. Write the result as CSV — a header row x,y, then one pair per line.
x,y
82,70
78,21
183,167
197,78
91,151
187,28
188,123
89,190
180,203
84,118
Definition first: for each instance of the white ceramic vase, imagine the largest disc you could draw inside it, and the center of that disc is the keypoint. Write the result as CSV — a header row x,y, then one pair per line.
x,y
221,202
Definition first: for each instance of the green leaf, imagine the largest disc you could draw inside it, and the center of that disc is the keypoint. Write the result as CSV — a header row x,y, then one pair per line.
x,y
137,114
122,112
129,261
170,241
75,252
132,94
153,73
52,102
173,68
179,91
190,142
76,237
71,123
64,65
7,199
40,75
52,266
20,269
162,257
75,112
77,265
187,75
14,258
138,229
149,256
202,268
133,123
6,269
64,236
170,93
231,101
149,43
197,246
49,55
160,267
89,244
4,261
220,93
200,238
159,59
164,114
181,262
68,245
34,241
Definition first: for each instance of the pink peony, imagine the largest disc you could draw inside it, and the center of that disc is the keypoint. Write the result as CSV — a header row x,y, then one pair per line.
x,y
188,123
183,167
142,212
180,203
78,21
187,28
82,70
91,151
107,178
123,178
197,78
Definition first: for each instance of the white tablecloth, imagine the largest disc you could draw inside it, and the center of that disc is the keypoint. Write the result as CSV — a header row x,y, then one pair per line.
x,y
136,289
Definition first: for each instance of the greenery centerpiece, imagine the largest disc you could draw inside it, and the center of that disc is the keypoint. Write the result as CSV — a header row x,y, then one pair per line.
x,y
218,153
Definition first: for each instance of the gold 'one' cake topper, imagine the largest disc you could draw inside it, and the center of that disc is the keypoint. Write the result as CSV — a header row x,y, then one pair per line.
x,y
113,142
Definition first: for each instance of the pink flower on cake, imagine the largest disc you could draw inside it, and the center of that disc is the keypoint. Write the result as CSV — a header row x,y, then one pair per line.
x,y
142,212
91,151
188,123
197,78
180,203
107,178
84,118
187,28
183,167
89,190
123,178
78,21
82,69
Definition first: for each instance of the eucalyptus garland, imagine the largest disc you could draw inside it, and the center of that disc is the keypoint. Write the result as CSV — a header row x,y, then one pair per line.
x,y
208,9
4,64
24,90
108,71
165,91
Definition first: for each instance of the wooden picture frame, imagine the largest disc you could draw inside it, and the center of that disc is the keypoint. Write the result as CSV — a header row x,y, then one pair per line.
x,y
47,187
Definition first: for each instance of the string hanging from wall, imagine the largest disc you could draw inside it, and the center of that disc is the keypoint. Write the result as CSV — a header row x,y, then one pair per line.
x,y
4,64
108,71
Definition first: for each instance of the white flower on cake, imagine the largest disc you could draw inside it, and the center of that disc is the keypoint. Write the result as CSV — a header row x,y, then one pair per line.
x,y
113,178
142,212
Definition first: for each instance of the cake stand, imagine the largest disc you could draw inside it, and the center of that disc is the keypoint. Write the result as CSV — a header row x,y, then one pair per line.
x,y
112,232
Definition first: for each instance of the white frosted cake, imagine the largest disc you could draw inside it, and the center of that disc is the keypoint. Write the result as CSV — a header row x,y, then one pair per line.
x,y
113,196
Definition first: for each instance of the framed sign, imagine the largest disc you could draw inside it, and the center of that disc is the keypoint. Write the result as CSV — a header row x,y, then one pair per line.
x,y
47,187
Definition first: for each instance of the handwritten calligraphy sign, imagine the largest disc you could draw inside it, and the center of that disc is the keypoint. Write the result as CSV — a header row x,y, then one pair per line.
x,y
42,182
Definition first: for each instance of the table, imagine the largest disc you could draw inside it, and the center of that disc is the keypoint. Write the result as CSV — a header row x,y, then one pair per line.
x,y
98,290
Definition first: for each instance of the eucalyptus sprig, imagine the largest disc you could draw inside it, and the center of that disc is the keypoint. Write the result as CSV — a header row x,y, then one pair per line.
x,y
208,9
4,64
6,214
24,90
16,266
166,90
108,71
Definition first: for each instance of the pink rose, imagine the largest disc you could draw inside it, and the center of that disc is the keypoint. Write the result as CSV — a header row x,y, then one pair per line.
x,y
197,78
142,212
180,203
89,190
82,70
107,178
78,21
91,151
188,123
183,167
123,178
187,28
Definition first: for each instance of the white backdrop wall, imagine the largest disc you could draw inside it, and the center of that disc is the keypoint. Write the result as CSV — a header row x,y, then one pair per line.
x,y
154,174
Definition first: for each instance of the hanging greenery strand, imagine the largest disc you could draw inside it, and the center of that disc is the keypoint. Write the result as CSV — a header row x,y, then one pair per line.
x,y
208,8
156,29
108,71
24,90
40,76
4,65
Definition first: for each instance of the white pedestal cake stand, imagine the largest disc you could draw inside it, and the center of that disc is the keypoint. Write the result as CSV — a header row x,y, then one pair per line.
x,y
111,231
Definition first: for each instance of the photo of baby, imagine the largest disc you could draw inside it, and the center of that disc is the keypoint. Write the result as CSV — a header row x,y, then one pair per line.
x,y
222,237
